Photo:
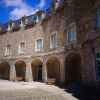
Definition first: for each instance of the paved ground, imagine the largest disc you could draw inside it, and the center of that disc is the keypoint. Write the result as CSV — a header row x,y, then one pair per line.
x,y
32,91
40,91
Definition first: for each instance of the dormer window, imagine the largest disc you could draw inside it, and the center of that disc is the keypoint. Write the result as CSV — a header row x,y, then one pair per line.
x,y
13,25
40,15
56,3
9,27
23,21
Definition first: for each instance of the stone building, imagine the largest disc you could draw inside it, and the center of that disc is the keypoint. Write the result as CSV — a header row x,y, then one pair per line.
x,y
61,43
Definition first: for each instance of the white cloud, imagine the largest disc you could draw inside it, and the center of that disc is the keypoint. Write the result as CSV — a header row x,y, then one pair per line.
x,y
21,8
42,3
12,2
19,12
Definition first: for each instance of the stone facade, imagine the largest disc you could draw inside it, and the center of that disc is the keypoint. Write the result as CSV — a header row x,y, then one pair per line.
x,y
87,45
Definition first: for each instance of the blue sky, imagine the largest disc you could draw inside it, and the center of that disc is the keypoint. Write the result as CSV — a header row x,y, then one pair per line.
x,y
14,9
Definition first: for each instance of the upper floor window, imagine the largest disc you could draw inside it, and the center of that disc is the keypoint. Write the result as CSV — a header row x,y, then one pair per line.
x,y
9,27
22,48
8,50
39,17
97,17
53,41
98,65
72,33
38,45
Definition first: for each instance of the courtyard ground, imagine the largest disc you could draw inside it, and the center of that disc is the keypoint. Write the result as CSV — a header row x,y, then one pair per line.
x,y
40,91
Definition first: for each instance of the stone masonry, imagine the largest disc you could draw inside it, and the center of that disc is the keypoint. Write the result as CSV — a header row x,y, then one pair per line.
x,y
80,12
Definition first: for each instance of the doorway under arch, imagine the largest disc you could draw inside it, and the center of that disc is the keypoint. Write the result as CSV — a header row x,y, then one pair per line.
x,y
36,66
73,68
53,68
5,70
20,67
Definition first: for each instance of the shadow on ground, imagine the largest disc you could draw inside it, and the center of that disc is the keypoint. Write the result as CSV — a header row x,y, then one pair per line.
x,y
81,92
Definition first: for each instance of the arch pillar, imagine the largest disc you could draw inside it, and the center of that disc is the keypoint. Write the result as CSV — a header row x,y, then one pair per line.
x,y
12,71
44,73
28,77
62,70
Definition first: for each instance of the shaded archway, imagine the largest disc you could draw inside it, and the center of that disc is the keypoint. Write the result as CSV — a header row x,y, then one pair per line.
x,y
53,68
20,67
36,66
4,70
73,73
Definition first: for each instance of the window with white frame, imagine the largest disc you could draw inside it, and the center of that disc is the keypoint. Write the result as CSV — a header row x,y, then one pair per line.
x,y
97,17
9,27
53,41
22,48
24,22
39,17
98,65
8,50
38,45
72,33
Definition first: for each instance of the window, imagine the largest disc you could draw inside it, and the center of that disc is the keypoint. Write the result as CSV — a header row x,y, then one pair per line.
x,y
98,64
23,22
8,50
97,17
9,27
39,45
72,33
39,17
53,41
22,48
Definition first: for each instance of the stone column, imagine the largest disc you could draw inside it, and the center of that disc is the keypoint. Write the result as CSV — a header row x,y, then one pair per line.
x,y
12,71
44,73
62,70
28,77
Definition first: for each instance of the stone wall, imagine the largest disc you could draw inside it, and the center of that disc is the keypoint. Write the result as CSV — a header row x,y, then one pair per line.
x,y
79,12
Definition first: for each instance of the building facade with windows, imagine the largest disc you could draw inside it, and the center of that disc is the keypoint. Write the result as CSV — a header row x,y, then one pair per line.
x,y
61,43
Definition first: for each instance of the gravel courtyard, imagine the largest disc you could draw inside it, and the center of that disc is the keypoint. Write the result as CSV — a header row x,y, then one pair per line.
x,y
32,91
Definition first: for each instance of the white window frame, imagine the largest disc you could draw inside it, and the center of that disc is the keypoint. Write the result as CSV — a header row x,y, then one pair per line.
x,y
24,48
23,23
8,52
51,46
9,27
68,40
38,50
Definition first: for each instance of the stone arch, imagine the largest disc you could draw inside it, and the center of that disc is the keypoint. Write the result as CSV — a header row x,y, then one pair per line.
x,y
36,66
73,68
4,70
53,68
20,67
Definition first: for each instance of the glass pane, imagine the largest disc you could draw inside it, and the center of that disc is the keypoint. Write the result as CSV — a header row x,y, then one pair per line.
x,y
39,44
98,62
98,55
53,40
72,33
